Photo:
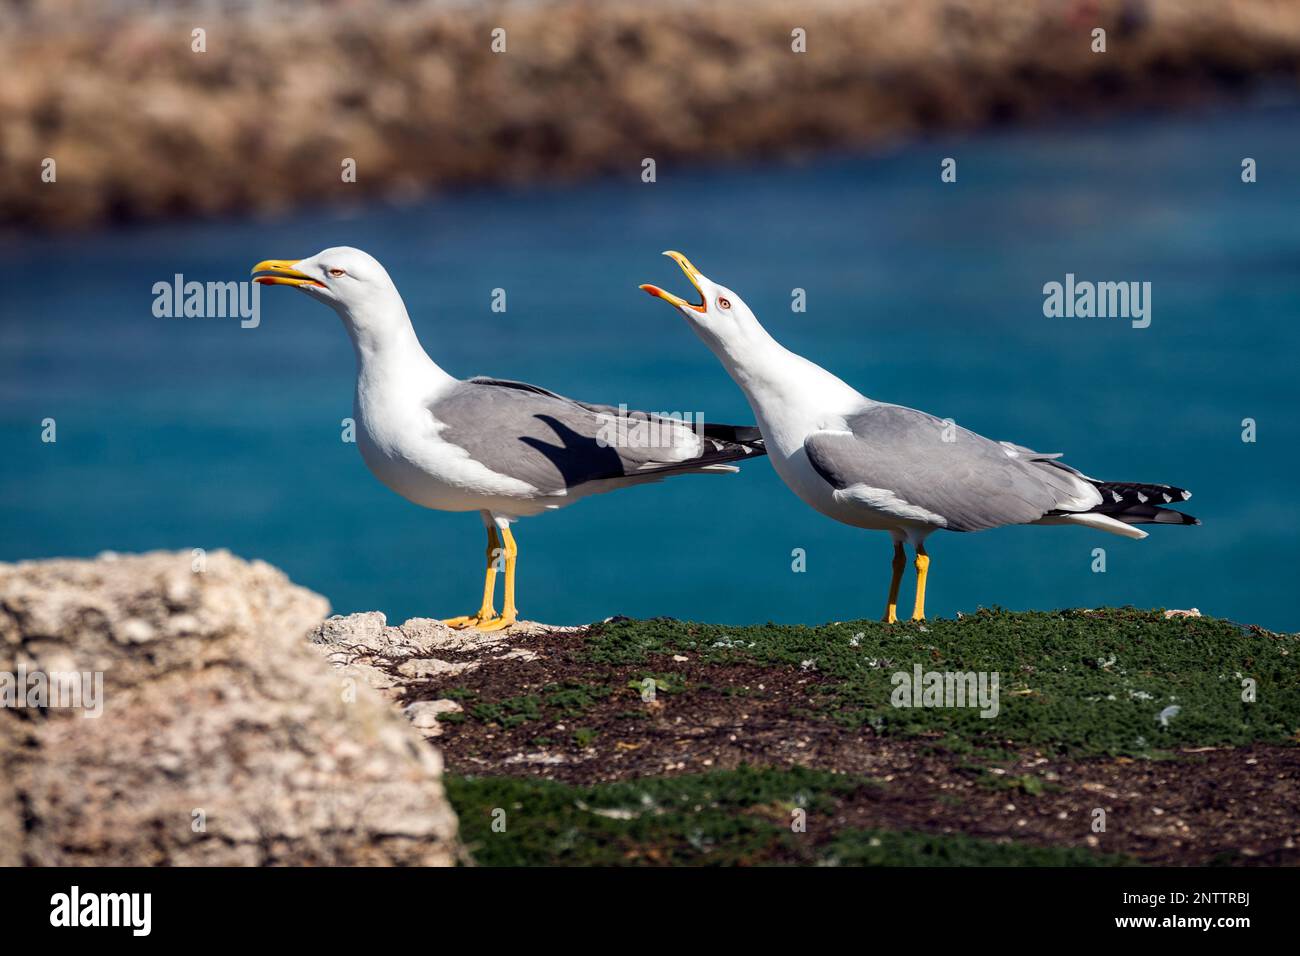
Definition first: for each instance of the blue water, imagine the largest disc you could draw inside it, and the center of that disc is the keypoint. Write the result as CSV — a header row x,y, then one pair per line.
x,y
184,433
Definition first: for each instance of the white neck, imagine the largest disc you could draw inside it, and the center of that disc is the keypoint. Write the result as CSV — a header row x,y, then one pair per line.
x,y
389,353
789,394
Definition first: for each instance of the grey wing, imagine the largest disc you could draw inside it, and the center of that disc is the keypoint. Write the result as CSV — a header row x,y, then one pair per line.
x,y
908,463
551,442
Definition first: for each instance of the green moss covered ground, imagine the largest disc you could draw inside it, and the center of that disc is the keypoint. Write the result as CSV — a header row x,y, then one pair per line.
x,y
723,818
1100,698
1076,682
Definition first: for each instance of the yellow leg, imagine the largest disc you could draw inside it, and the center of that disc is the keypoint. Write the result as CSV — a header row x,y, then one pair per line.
x,y
486,611
509,613
922,568
891,609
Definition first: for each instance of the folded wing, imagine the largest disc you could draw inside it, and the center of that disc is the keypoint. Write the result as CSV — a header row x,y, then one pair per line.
x,y
914,466
557,444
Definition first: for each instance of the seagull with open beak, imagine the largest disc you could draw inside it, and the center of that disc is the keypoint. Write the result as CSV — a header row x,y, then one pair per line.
x,y
504,449
895,469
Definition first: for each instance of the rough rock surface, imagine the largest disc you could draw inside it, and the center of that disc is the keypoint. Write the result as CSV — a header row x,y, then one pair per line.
x,y
396,659
224,738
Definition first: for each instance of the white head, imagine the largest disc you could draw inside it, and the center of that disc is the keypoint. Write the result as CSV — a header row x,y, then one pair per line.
x,y
721,318
349,281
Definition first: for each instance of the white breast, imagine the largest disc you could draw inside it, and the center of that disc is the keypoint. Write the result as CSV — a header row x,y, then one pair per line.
x,y
793,398
402,445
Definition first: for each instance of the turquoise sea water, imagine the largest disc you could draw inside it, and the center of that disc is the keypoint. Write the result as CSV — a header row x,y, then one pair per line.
x,y
184,433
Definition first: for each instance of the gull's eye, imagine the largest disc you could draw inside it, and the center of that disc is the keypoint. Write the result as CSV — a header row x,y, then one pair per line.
x,y
724,302
337,272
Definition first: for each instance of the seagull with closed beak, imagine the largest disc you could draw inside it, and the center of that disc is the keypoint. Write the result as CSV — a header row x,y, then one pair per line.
x,y
890,468
504,449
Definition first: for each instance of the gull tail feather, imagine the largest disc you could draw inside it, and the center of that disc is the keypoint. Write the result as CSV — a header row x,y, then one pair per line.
x,y
723,444
1132,502
716,458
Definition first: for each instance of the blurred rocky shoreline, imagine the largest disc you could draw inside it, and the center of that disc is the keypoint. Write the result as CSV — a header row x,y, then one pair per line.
x,y
285,99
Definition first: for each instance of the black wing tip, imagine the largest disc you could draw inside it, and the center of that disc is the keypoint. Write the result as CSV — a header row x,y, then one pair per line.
x,y
745,440
726,451
1136,502
738,434
1156,516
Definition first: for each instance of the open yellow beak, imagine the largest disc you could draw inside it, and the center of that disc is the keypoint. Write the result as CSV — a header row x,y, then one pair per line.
x,y
692,273
282,272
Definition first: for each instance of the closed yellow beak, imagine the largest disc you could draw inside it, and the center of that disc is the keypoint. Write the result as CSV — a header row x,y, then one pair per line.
x,y
282,272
